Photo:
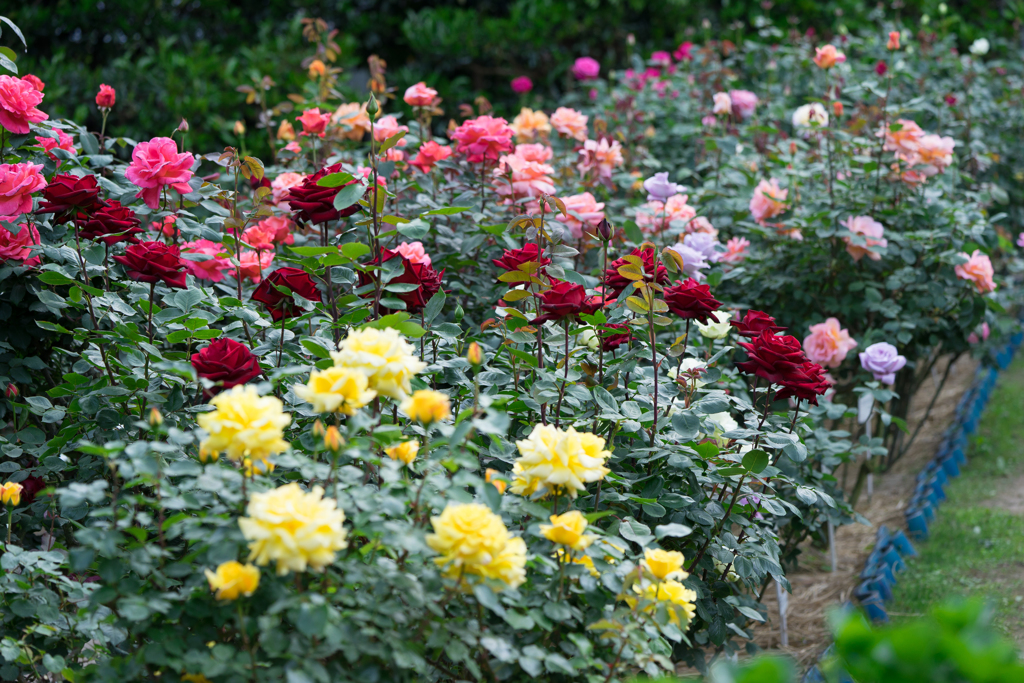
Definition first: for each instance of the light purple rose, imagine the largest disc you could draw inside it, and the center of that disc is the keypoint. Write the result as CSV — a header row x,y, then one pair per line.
x,y
660,188
693,261
586,69
704,243
883,361
744,103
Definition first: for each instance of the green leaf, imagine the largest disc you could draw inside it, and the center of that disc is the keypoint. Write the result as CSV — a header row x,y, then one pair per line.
x,y
354,250
755,461
178,336
349,195
51,277
673,530
335,180
316,251
446,211
415,229
433,306
315,349
392,141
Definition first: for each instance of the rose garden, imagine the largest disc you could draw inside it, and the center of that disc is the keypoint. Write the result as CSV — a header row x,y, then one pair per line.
x,y
445,391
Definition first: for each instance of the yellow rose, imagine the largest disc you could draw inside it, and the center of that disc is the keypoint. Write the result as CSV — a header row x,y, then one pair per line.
x,y
10,494
333,439
405,451
509,566
674,595
467,534
387,360
580,558
336,389
427,406
492,476
244,425
568,529
555,460
664,564
233,579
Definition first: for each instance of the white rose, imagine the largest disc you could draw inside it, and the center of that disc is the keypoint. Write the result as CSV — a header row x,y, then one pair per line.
x,y
689,364
810,114
588,338
979,47
719,329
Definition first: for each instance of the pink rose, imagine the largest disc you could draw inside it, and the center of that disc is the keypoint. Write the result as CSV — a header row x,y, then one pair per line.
x,y
661,58
828,343
529,178
1020,240
977,270
388,127
701,224
36,82
654,217
313,122
18,247
735,250
723,104
934,153
293,147
871,231
744,103
483,139
584,211
902,137
212,269
570,123
828,56
535,151
414,252
17,183
106,97
769,200
253,264
420,95
259,237
429,154
63,141
157,164
603,157
586,69
280,186
522,84
684,52
279,228
18,100
984,330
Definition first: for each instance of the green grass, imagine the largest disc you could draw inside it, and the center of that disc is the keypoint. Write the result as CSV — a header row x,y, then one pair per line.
x,y
976,547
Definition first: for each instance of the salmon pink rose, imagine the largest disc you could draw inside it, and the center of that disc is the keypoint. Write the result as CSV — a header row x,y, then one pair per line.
x,y
34,81
17,183
211,269
655,217
769,200
570,123
419,95
483,139
280,186
259,237
603,157
158,164
828,343
106,97
429,154
252,263
313,122
902,137
387,127
871,230
583,212
414,251
280,227
978,270
18,100
828,56
18,247
735,250
528,178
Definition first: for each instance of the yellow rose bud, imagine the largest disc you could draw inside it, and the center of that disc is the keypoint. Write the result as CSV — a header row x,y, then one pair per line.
x,y
332,439
286,131
319,429
567,529
239,128
316,69
664,564
475,355
234,579
491,477
10,494
426,406
405,451
155,418
206,456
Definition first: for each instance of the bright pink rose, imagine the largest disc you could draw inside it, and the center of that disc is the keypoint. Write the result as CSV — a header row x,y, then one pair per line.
x,y
212,269
280,228
313,122
157,164
63,141
602,157
388,127
684,52
254,263
106,97
661,58
529,178
17,183
280,186
414,252
36,82
483,139
871,230
828,343
429,154
570,123
735,250
420,95
984,330
584,211
18,100
828,56
769,200
744,103
18,247
522,84
586,69
977,270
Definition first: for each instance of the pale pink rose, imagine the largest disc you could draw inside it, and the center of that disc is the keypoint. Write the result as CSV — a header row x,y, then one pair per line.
x,y
17,183
313,122
583,210
904,140
973,338
1020,240
530,125
744,103
828,56
655,217
64,142
484,138
394,154
18,247
701,224
602,157
735,250
282,184
414,252
18,100
934,153
534,152
872,232
977,270
293,147
352,120
157,164
280,227
388,127
570,123
429,154
723,104
253,263
708,121
419,95
212,269
828,343
769,200
529,178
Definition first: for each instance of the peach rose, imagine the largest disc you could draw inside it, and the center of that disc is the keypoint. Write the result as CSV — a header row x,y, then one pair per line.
x,y
904,139
894,41
429,154
419,95
655,217
529,178
18,247
583,210
828,343
934,152
17,183
18,100
211,269
280,186
828,56
253,263
723,105
157,164
602,157
313,122
977,270
735,250
414,252
386,127
570,123
352,120
769,200
530,125
872,232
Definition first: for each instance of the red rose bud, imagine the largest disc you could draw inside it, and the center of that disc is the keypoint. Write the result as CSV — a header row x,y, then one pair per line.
x,y
154,262
106,97
754,323
565,299
12,390
604,229
427,279
315,204
615,282
67,194
691,301
513,258
226,363
111,224
778,359
282,305
610,342
881,68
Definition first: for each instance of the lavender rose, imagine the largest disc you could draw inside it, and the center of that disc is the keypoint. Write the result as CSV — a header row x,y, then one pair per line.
x,y
660,188
883,361
705,244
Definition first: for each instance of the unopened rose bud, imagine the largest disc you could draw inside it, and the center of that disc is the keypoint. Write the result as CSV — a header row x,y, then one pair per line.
x,y
894,41
12,390
332,439
205,456
239,128
316,69
604,229
318,428
837,108
792,148
459,313
183,126
155,418
371,106
475,355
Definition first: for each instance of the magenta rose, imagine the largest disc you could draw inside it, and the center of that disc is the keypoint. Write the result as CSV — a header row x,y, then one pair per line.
x,y
158,164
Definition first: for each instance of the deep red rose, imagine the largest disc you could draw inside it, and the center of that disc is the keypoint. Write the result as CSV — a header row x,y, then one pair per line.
x,y
881,68
428,279
69,194
805,386
691,301
226,363
30,487
257,184
778,359
513,258
610,342
315,204
111,224
282,305
564,299
615,282
754,323
154,262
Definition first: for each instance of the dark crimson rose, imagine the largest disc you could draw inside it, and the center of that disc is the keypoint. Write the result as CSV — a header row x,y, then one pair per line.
x,y
778,359
615,282
111,224
610,342
513,258
315,204
807,387
154,262
282,305
69,194
257,184
691,301
564,299
30,487
754,323
226,363
428,279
